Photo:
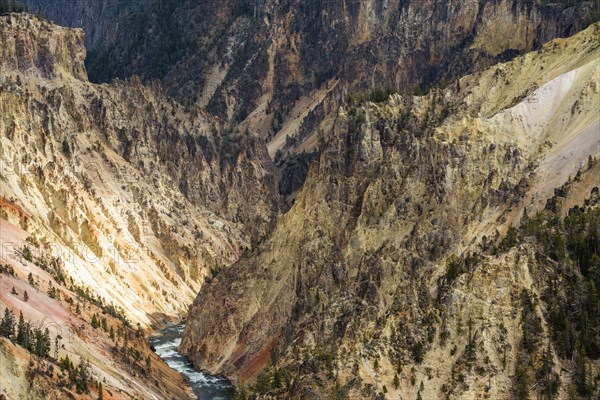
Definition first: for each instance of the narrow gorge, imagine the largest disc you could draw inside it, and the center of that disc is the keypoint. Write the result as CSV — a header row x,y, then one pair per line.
x,y
260,199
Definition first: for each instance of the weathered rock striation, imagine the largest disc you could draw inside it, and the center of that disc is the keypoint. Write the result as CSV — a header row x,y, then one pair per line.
x,y
283,67
352,286
139,195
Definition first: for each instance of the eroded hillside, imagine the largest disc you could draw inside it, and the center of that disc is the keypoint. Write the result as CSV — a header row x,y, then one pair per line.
x,y
362,289
284,67
115,206
60,340
141,199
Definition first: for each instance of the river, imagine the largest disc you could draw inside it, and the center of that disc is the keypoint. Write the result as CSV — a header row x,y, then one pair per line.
x,y
204,386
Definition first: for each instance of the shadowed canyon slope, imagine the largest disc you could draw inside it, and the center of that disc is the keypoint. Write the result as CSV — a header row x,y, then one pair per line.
x,y
283,66
352,286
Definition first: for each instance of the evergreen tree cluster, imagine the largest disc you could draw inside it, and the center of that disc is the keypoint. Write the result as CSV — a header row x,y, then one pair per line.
x,y
571,247
52,265
378,94
162,43
567,258
107,308
7,269
78,376
9,6
53,292
34,339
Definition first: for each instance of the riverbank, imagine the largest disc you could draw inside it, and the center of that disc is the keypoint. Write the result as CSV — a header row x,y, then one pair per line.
x,y
204,386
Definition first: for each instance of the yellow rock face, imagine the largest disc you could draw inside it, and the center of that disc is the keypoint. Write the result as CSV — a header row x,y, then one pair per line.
x,y
140,198
351,271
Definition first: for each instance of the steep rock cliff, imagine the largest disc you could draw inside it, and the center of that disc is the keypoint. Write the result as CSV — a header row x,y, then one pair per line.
x,y
342,296
141,198
284,66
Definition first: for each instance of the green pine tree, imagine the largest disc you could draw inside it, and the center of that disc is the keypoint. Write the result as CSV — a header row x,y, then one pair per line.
x,y
521,381
82,377
65,363
27,254
21,334
7,325
29,340
42,342
396,381
56,346
95,321
581,371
